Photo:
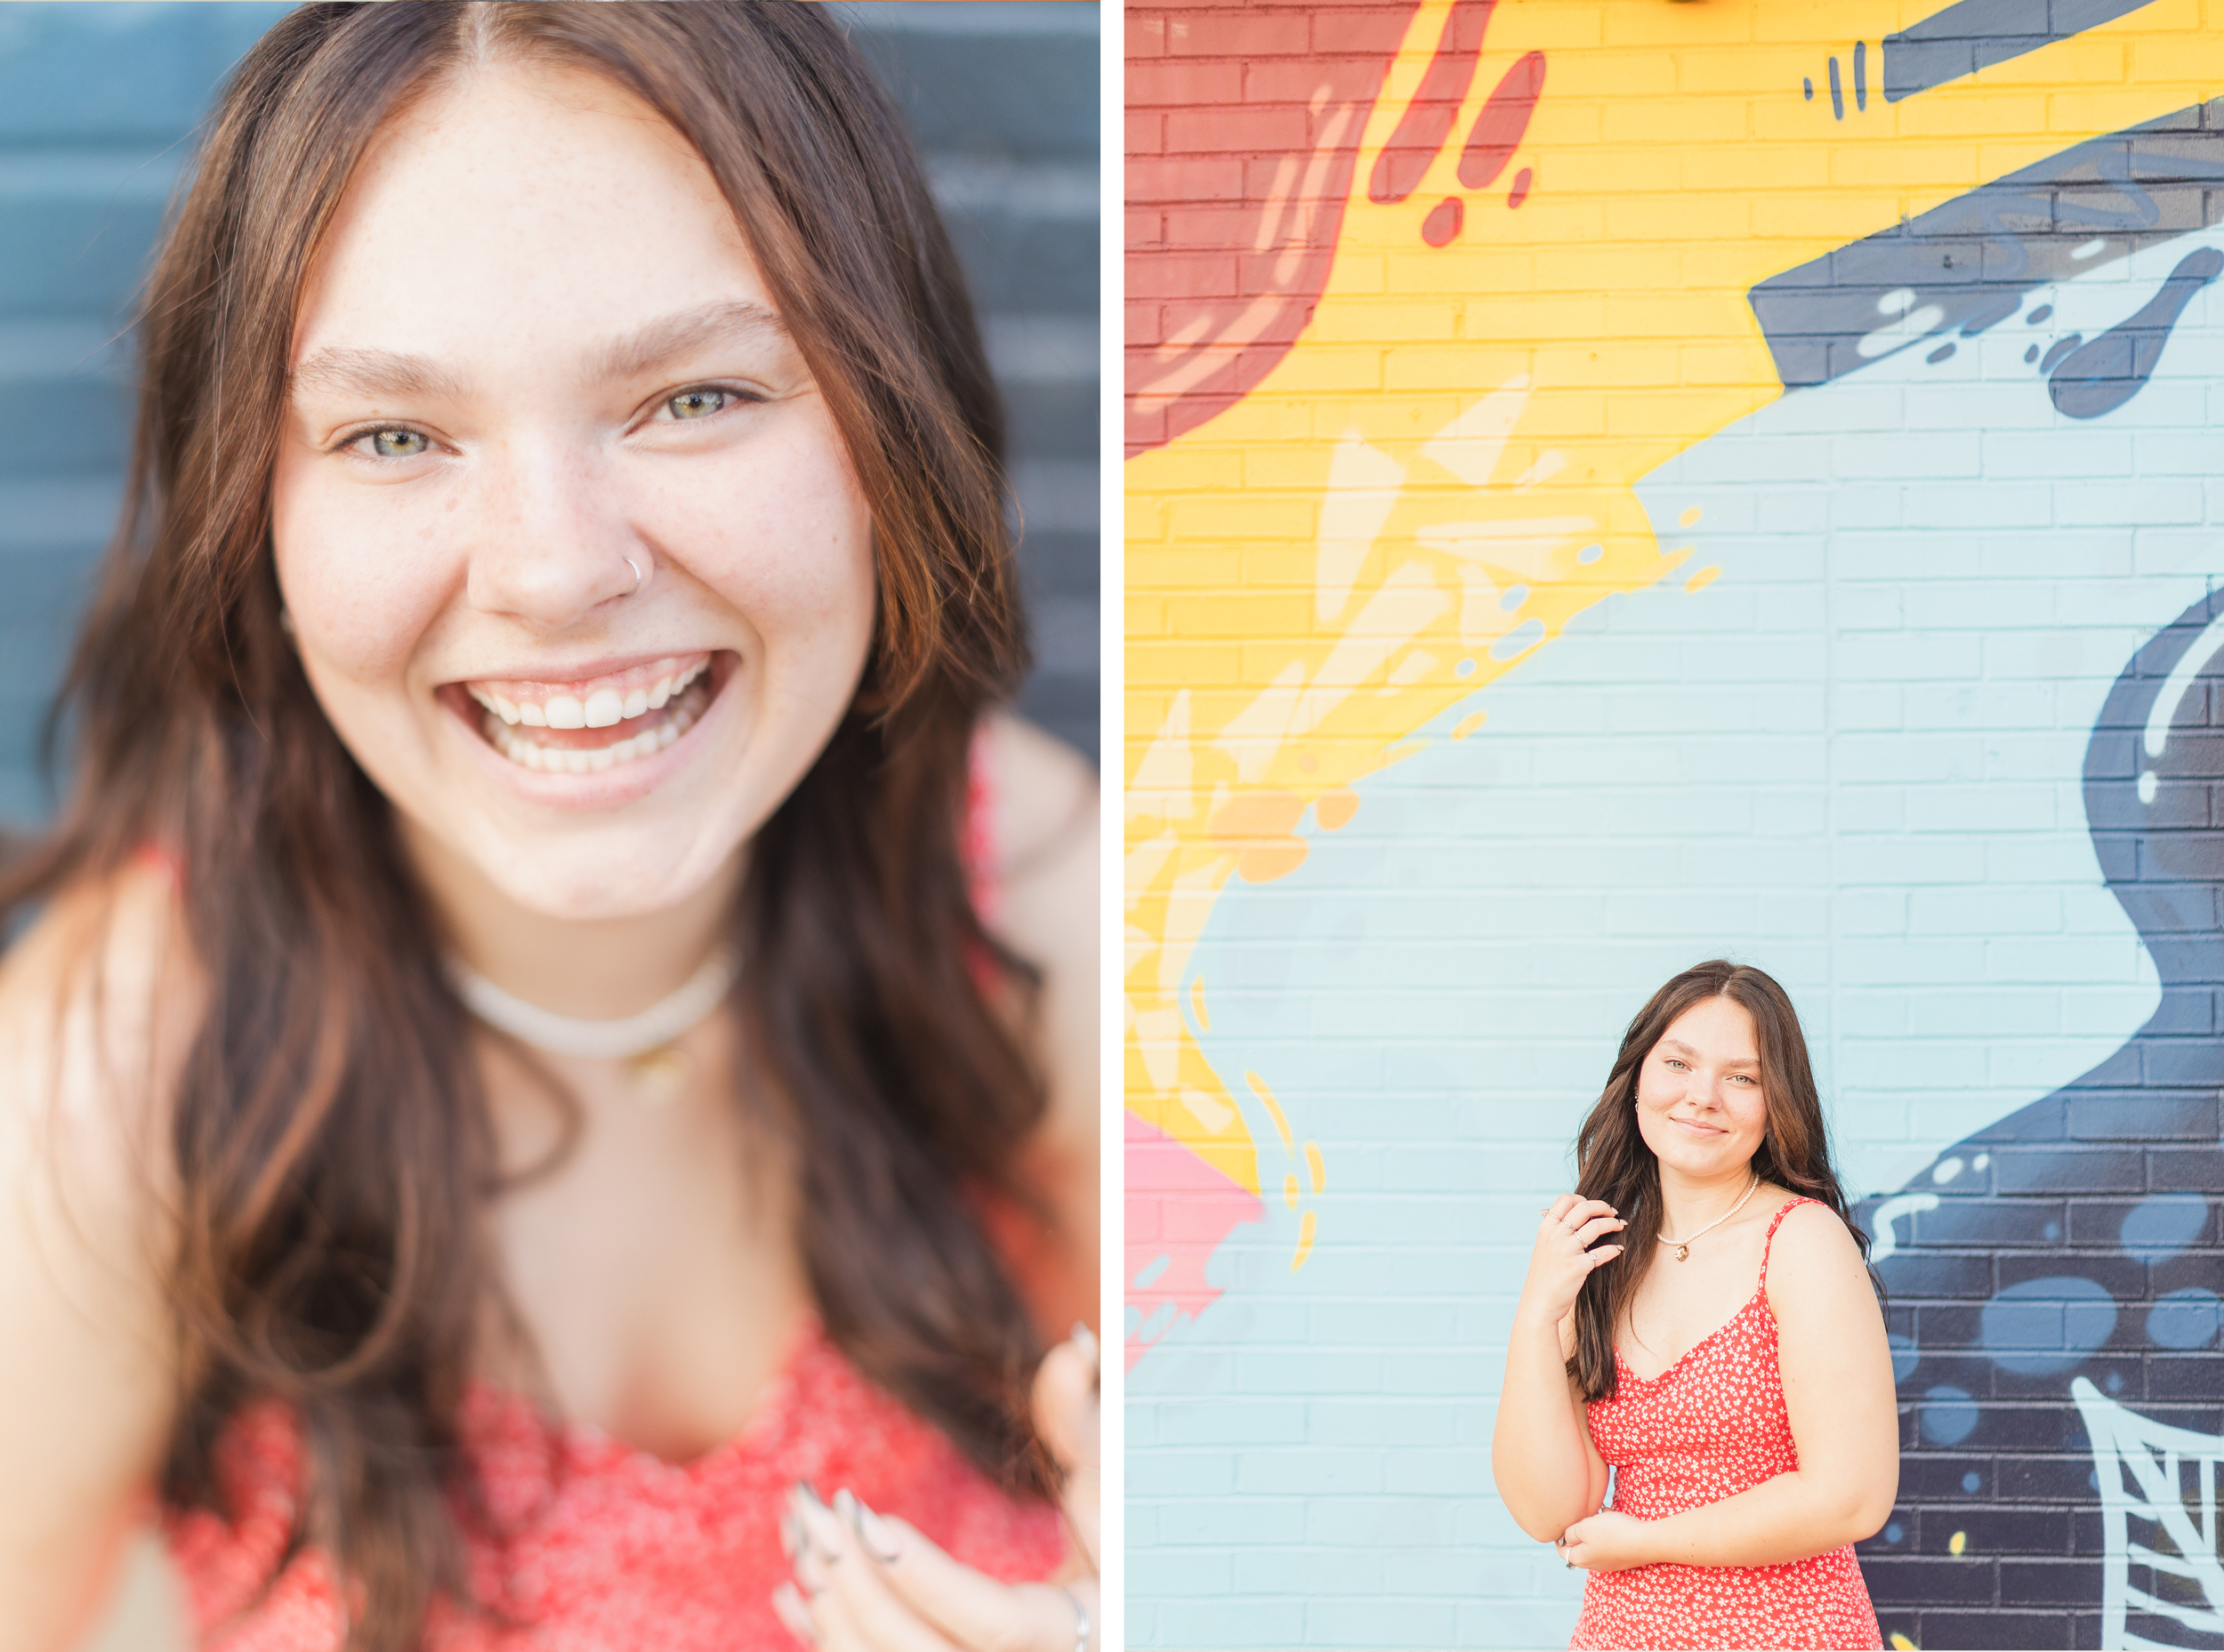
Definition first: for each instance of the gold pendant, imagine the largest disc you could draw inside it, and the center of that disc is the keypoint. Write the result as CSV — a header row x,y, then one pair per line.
x,y
1682,1251
659,1075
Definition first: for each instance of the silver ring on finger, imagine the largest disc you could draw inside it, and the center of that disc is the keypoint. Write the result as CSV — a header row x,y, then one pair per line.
x,y
1081,1619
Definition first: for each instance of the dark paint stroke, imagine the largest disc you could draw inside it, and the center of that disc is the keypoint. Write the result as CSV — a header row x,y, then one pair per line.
x,y
1441,226
1427,122
2116,366
1807,87
1860,74
1837,95
1522,180
1498,130
1977,33
2060,347
2055,1200
2141,187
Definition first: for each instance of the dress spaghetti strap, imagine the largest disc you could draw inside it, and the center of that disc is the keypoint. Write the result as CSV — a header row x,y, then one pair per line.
x,y
1776,1221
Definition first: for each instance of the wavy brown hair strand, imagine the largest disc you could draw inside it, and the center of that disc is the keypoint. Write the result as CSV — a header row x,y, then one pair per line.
x,y
332,1145
1614,1164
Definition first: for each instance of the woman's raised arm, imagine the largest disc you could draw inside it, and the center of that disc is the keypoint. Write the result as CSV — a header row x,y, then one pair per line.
x,y
1838,1393
90,1022
1541,1456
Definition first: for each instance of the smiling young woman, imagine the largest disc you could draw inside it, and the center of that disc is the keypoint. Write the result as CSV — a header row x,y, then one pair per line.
x,y
1732,1371
560,1019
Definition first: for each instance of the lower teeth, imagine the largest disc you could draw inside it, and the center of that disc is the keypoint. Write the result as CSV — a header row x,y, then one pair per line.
x,y
677,719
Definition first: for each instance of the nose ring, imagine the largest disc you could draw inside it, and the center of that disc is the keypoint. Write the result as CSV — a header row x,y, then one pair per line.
x,y
638,576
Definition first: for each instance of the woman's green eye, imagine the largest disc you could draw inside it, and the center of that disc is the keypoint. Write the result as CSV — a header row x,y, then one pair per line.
x,y
696,404
398,444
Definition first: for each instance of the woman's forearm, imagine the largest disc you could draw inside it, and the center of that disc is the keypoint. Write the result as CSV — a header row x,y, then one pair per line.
x,y
1540,1445
1793,1517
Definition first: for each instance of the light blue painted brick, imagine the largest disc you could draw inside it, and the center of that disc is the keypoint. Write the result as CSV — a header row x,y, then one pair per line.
x,y
1312,1371
1230,1522
1431,1373
1458,1572
1270,1622
1309,1571
1902,458
1376,1422
1382,1522
2067,555
1984,911
1308,1471
2150,502
1515,1623
1179,1574
1230,1422
1160,1472
1443,1470
1387,1621
1950,1011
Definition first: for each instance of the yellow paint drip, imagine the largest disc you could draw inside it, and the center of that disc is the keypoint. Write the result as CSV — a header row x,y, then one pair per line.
x,y
1957,1543
1289,1189
1274,1110
1420,453
1304,1242
1901,1643
1196,1005
1701,580
1313,1166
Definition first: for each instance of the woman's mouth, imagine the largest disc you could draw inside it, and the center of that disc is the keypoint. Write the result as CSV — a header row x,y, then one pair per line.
x,y
593,724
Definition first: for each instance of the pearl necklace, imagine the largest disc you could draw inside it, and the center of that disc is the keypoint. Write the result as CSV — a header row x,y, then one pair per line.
x,y
1683,1247
643,1041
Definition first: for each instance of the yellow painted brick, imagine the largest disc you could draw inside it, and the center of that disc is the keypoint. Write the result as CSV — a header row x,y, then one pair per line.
x,y
1288,465
1667,124
1144,616
1685,28
1753,69
1691,414
2093,109
2002,115
1305,370
1835,218
1408,319
1284,564
1680,216
1535,27
1905,166
1789,166
1238,517
1506,317
1182,569
1181,664
1614,365
1198,618
1618,167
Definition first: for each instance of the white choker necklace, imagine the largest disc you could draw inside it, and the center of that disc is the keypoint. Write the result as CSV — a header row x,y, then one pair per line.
x,y
625,1040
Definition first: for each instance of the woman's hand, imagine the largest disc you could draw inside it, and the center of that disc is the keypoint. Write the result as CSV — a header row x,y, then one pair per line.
x,y
1560,1262
1605,1542
867,1582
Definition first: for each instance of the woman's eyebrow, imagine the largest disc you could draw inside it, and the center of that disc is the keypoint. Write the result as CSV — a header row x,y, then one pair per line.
x,y
650,346
372,373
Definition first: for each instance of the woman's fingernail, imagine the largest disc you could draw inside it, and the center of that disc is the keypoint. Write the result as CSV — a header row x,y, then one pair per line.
x,y
873,1531
1085,1340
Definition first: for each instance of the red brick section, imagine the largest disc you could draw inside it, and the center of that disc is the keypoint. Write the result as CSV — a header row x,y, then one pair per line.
x,y
1243,122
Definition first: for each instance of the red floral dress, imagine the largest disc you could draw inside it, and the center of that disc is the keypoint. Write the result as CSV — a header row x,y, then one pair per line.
x,y
601,1547
1709,1427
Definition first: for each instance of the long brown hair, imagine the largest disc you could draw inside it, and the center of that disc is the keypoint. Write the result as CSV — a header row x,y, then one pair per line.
x,y
1613,1163
331,1140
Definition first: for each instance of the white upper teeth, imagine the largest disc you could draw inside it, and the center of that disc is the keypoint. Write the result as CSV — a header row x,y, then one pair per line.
x,y
599,710
577,760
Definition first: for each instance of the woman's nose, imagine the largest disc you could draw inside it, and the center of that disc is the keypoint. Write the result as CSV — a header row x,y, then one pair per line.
x,y
550,539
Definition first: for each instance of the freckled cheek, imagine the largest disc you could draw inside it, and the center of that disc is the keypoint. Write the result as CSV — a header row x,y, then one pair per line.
x,y
363,579
791,551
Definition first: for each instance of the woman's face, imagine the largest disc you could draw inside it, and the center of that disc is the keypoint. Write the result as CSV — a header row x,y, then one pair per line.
x,y
1699,1101
574,555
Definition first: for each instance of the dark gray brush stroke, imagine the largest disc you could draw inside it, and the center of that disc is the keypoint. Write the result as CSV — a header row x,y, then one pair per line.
x,y
1977,33
1976,257
2101,376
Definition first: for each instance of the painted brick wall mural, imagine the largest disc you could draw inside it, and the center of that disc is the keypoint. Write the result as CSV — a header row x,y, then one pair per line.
x,y
1614,482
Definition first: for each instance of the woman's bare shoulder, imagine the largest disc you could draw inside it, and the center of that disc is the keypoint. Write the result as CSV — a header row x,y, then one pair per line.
x,y
98,1004
1813,1249
96,1007
1045,800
